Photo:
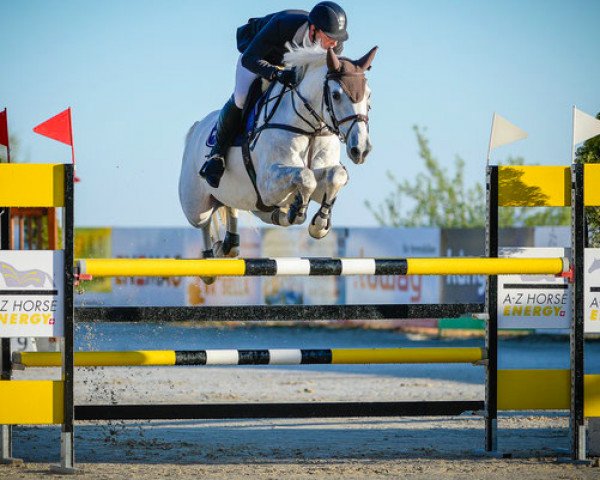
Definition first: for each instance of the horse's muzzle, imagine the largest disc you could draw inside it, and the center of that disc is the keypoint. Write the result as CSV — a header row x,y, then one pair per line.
x,y
358,155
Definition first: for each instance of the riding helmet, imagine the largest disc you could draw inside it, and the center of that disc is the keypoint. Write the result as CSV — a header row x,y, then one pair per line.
x,y
330,18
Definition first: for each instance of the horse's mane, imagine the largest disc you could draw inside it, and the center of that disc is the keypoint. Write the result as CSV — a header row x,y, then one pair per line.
x,y
304,57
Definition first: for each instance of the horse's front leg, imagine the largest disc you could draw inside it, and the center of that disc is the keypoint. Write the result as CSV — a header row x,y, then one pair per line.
x,y
330,181
283,183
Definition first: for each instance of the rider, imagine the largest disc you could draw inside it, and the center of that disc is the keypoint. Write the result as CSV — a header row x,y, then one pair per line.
x,y
262,44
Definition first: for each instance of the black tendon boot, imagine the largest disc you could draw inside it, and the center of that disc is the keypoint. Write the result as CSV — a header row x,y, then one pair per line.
x,y
228,126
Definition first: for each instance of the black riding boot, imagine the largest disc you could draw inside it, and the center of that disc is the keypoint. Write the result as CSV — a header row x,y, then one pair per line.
x,y
228,125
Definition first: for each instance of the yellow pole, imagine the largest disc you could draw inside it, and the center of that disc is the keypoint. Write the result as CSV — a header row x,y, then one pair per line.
x,y
99,359
168,267
486,266
339,356
161,267
406,355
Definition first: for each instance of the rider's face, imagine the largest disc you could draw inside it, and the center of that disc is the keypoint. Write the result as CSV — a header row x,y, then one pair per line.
x,y
325,41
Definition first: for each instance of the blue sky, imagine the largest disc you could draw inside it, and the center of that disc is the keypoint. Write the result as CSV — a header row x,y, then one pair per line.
x,y
138,73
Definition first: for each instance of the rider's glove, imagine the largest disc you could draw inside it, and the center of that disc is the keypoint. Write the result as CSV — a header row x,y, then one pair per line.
x,y
289,77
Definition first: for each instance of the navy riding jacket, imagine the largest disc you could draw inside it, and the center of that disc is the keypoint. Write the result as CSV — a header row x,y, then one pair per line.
x,y
262,40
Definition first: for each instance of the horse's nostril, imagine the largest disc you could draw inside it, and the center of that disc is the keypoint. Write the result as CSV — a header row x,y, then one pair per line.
x,y
355,152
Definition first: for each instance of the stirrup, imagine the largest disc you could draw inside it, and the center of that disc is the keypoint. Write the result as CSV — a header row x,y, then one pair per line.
x,y
213,170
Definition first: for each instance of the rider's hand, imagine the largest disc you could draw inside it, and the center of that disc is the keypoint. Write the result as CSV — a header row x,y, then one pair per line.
x,y
289,77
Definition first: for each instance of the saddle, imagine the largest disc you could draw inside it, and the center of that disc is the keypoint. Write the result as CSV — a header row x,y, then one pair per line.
x,y
254,103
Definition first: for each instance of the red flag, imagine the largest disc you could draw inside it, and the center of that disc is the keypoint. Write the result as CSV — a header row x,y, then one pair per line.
x,y
3,128
58,127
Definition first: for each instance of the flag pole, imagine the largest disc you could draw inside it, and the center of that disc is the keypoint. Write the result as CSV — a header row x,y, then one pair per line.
x,y
7,137
573,137
75,177
489,152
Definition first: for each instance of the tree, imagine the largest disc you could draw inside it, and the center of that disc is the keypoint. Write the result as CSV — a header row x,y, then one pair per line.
x,y
14,150
589,152
439,198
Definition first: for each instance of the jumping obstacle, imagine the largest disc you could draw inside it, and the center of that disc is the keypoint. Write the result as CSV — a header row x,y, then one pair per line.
x,y
506,186
272,356
167,267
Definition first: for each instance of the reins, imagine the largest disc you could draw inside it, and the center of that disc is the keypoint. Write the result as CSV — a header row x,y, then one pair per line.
x,y
324,129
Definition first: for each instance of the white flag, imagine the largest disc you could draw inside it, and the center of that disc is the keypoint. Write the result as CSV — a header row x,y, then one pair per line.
x,y
504,132
584,126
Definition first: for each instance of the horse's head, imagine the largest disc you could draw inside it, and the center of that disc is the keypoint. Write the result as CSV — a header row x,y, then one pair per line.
x,y
347,98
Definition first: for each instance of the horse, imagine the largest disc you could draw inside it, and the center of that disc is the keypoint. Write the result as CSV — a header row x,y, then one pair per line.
x,y
290,156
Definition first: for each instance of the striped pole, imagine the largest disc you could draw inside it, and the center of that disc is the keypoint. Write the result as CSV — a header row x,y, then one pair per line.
x,y
273,356
168,267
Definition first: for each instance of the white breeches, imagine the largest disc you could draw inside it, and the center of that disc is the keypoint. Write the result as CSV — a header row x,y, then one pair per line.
x,y
243,80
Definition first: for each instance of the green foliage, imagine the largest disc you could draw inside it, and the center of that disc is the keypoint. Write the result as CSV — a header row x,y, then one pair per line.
x,y
440,198
531,216
15,153
589,152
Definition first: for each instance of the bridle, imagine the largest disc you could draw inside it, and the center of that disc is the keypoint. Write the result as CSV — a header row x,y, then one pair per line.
x,y
327,98
324,128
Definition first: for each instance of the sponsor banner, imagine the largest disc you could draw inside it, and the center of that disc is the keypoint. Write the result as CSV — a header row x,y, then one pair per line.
x,y
225,290
463,242
31,293
533,301
94,243
142,291
148,243
392,242
552,237
592,290
515,237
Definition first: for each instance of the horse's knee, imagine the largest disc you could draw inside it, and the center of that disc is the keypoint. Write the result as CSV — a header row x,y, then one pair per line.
x,y
306,182
338,177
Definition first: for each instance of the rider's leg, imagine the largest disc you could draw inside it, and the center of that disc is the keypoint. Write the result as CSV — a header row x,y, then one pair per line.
x,y
228,125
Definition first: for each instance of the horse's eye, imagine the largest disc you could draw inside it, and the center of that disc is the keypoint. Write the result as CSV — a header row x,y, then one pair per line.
x,y
336,95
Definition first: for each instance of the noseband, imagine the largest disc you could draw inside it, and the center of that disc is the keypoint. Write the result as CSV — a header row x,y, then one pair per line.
x,y
324,128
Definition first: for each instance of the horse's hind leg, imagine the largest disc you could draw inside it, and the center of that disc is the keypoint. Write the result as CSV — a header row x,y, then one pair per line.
x,y
278,217
330,182
231,243
208,250
207,239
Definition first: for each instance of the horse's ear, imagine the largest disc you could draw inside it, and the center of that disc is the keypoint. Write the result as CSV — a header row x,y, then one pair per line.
x,y
333,62
364,63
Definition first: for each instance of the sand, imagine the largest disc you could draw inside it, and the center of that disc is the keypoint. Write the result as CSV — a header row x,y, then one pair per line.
x,y
420,448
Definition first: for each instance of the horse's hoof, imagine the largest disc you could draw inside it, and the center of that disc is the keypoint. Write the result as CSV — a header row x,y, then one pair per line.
x,y
319,227
208,254
231,245
297,217
280,217
317,233
297,211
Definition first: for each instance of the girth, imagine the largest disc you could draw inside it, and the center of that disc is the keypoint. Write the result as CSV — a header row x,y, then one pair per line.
x,y
252,174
